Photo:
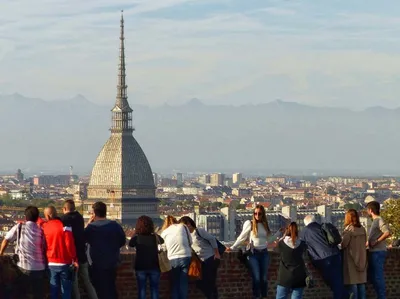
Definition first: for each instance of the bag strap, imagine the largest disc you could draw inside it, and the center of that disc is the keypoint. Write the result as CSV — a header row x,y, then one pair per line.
x,y
187,234
19,235
198,233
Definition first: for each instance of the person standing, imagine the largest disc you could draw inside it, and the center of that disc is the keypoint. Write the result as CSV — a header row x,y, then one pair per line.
x,y
178,241
146,242
292,272
257,233
72,218
31,251
105,239
205,246
378,233
61,254
354,255
326,258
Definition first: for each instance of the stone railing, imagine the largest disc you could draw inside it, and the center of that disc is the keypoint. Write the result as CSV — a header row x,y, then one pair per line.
x,y
234,280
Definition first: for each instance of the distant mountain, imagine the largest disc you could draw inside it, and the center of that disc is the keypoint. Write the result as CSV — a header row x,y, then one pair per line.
x,y
277,136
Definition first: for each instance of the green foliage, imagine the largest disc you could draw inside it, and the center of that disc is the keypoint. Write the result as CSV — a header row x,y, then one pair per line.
x,y
6,200
391,214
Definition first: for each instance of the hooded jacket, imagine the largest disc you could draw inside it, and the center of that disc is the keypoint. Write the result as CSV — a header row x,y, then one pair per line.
x,y
354,255
292,272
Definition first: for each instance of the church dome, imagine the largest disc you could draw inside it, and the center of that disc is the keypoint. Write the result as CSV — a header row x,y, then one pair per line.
x,y
122,163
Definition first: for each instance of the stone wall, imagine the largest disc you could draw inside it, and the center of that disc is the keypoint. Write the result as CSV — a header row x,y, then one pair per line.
x,y
234,280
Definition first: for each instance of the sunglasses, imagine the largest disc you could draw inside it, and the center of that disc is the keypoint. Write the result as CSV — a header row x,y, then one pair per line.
x,y
258,213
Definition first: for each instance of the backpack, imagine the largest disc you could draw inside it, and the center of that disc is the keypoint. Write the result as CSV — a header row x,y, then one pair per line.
x,y
332,234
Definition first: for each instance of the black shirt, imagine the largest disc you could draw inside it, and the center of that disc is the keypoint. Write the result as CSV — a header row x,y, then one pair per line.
x,y
75,221
146,251
292,272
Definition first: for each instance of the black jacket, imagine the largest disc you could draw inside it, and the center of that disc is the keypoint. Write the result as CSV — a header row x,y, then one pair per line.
x,y
75,220
146,251
292,271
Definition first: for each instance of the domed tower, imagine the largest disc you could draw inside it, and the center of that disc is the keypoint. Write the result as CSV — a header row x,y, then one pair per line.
x,y
122,176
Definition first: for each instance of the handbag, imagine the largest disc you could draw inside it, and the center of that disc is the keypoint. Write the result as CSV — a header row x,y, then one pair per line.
x,y
195,262
163,260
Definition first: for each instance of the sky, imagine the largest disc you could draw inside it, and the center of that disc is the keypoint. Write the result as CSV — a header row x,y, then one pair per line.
x,y
323,53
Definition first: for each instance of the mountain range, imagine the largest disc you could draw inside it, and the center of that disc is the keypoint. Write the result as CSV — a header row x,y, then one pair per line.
x,y
49,136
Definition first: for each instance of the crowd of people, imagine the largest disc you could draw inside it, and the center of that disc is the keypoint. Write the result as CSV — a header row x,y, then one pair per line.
x,y
344,266
67,250
62,250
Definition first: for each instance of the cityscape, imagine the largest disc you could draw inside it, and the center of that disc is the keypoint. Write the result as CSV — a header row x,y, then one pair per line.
x,y
228,187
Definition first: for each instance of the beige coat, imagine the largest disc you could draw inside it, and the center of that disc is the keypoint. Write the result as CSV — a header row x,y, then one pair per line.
x,y
354,255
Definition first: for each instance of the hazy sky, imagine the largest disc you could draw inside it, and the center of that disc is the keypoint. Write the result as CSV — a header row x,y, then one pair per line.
x,y
319,52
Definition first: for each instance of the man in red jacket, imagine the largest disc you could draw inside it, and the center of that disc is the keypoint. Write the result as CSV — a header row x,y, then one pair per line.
x,y
61,254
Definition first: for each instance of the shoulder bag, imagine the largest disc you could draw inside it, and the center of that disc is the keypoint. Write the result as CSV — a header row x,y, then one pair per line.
x,y
163,260
195,262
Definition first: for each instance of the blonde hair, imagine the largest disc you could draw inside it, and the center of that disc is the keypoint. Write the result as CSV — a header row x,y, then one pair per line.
x,y
169,220
263,221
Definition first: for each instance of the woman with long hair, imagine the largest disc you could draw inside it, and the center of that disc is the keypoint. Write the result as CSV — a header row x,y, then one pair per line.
x,y
257,233
292,272
354,255
205,246
168,221
146,242
178,242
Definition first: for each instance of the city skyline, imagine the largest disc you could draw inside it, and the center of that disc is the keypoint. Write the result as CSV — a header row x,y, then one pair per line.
x,y
226,52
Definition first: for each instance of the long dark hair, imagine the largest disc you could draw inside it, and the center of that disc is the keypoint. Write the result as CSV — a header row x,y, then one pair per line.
x,y
292,231
144,226
187,220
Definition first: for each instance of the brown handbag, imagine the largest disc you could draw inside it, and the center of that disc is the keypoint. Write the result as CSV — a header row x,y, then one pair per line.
x,y
195,262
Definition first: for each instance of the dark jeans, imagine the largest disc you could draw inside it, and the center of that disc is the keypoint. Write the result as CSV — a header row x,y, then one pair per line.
x,y
358,291
258,263
208,283
179,277
141,278
103,281
60,276
376,262
331,269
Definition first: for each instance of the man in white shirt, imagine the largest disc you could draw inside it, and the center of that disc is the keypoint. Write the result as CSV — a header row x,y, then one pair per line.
x,y
31,251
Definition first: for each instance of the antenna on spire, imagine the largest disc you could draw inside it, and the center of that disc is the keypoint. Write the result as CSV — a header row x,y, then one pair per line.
x,y
121,113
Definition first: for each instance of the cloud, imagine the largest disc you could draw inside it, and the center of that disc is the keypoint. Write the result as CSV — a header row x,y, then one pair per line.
x,y
221,50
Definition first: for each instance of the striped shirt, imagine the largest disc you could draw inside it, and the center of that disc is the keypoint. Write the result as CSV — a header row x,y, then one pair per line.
x,y
30,247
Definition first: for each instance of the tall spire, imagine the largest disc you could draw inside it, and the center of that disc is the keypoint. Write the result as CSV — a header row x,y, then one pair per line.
x,y
121,113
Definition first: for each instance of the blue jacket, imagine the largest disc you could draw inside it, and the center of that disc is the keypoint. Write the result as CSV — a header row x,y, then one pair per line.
x,y
317,244
105,238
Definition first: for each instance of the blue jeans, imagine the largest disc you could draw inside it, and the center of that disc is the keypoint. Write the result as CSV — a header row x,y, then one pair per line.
x,y
258,263
331,269
179,277
376,262
283,292
141,278
358,291
60,276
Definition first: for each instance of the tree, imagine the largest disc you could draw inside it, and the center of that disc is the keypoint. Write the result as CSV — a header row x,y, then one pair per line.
x,y
391,214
